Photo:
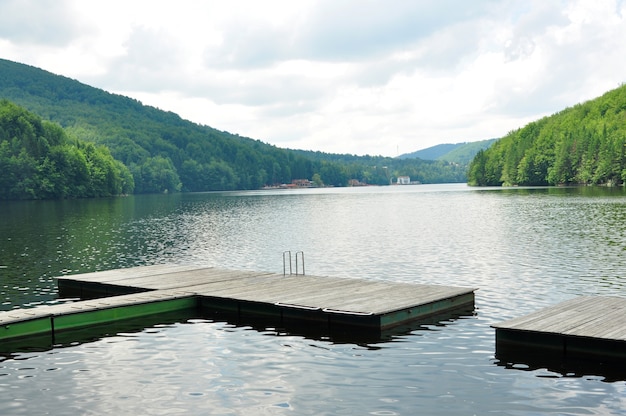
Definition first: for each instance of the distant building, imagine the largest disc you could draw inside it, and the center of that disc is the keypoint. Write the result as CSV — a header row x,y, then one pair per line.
x,y
404,180
356,182
302,183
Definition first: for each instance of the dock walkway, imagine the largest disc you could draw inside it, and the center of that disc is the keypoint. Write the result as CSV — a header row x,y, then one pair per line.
x,y
350,304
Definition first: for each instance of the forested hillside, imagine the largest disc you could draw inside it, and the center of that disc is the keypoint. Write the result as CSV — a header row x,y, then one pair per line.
x,y
431,153
465,154
462,153
166,153
584,144
38,160
380,170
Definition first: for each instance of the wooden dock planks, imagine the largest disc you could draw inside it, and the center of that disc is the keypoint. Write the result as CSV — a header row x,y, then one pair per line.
x,y
346,294
589,316
134,292
586,327
46,320
581,328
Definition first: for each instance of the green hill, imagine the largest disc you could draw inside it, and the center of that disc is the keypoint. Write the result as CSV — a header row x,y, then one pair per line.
x,y
163,152
38,160
583,144
431,153
461,153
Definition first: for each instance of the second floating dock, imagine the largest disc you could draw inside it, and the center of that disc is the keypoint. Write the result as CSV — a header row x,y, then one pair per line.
x,y
583,328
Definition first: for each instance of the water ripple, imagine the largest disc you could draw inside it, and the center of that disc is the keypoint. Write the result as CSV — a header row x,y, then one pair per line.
x,y
523,249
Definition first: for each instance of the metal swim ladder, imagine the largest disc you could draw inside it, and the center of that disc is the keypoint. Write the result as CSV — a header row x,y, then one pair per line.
x,y
287,259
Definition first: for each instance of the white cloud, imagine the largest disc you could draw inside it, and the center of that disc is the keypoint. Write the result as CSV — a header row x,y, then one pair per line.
x,y
30,22
363,77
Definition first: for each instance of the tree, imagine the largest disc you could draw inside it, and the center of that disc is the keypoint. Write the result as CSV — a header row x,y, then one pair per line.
x,y
582,144
317,180
157,175
39,161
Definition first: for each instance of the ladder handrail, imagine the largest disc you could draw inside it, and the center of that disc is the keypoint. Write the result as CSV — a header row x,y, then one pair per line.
x,y
284,265
287,256
301,255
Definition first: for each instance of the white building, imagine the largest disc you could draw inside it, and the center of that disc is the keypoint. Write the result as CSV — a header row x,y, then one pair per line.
x,y
404,180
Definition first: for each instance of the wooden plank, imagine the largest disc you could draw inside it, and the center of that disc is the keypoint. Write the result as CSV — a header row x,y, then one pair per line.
x,y
319,291
587,327
535,320
315,291
136,277
322,292
583,316
187,280
18,315
341,301
388,298
45,321
609,324
110,276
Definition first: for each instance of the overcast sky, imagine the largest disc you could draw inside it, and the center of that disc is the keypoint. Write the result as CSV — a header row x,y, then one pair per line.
x,y
362,77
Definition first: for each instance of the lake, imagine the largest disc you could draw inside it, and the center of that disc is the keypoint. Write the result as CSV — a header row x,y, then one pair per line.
x,y
523,248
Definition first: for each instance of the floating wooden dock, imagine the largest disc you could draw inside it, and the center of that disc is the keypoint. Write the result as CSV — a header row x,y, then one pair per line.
x,y
333,303
583,328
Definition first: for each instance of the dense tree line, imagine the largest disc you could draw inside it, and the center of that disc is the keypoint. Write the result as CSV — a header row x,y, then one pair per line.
x,y
379,170
584,144
38,160
165,153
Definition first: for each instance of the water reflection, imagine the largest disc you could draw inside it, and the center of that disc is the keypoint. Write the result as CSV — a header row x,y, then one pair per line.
x,y
557,366
267,325
523,248
337,334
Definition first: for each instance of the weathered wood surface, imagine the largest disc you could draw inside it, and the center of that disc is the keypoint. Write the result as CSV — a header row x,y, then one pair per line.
x,y
585,316
344,294
340,305
18,315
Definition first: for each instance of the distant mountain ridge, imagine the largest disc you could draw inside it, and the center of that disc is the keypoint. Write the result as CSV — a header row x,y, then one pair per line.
x,y
461,153
164,152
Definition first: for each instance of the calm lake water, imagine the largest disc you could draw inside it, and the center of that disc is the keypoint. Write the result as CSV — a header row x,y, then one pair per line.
x,y
524,249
